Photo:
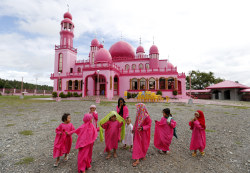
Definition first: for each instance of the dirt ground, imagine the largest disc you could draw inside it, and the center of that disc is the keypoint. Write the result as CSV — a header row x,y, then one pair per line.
x,y
227,133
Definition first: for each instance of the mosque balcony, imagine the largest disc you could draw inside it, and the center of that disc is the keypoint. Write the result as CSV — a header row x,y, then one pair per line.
x,y
101,66
139,56
181,75
58,47
82,61
149,71
66,75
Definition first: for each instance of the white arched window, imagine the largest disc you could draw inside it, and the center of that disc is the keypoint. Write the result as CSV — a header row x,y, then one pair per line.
x,y
147,66
126,67
142,84
133,67
141,66
152,83
60,62
134,84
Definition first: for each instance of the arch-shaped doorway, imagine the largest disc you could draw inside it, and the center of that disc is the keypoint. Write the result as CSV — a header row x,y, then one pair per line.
x,y
116,85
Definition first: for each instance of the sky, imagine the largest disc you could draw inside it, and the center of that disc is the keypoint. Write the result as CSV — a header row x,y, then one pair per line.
x,y
205,35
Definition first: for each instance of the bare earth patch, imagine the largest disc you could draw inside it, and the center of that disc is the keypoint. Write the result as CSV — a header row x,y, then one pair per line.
x,y
28,132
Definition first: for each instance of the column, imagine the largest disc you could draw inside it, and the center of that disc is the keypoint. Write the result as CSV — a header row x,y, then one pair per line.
x,y
79,84
130,84
157,83
67,85
111,83
175,84
147,84
73,85
166,83
138,84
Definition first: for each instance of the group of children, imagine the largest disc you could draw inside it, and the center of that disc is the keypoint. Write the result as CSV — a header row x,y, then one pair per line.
x,y
118,127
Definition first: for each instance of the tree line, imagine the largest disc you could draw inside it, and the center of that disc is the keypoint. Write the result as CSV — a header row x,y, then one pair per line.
x,y
9,84
201,80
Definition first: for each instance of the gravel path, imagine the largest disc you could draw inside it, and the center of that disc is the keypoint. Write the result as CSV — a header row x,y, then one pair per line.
x,y
227,150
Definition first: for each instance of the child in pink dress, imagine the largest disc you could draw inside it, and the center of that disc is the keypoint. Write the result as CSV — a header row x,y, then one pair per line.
x,y
87,135
198,140
164,131
92,111
63,140
141,131
128,141
111,135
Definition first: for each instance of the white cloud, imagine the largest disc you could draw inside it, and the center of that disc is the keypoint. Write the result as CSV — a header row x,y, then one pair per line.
x,y
205,35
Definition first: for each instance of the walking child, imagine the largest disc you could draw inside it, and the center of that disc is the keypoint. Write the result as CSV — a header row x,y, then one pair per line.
x,y
87,135
92,111
164,131
198,140
111,125
63,139
128,141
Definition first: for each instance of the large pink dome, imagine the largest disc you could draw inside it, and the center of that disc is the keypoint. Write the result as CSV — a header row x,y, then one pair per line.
x,y
170,65
102,55
140,49
95,43
122,49
153,50
67,15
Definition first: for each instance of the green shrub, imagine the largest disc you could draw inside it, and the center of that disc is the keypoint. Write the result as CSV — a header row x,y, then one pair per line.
x,y
159,93
62,95
134,95
175,92
75,94
128,95
54,94
7,92
80,95
69,94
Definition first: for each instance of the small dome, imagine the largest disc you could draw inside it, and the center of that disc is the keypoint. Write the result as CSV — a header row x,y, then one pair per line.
x,y
140,49
122,49
153,50
100,46
95,43
103,55
170,65
67,21
67,15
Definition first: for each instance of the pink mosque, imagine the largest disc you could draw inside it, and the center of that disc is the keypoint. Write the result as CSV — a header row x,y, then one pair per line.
x,y
119,69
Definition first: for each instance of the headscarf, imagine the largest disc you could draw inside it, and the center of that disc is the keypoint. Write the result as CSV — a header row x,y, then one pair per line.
x,y
87,133
201,119
141,114
106,119
124,103
92,106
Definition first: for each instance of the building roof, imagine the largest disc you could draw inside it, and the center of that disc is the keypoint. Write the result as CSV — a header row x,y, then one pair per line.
x,y
245,90
227,84
198,91
153,50
122,49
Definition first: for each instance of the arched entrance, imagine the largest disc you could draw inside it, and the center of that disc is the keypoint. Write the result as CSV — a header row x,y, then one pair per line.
x,y
90,85
116,85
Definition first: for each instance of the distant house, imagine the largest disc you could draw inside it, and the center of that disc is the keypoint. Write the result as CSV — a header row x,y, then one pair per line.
x,y
245,94
227,90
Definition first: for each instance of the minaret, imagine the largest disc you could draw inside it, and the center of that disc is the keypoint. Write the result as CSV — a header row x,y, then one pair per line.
x,y
95,46
140,51
67,31
154,56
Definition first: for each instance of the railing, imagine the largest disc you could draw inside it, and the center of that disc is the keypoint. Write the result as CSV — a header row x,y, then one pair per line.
x,y
65,47
101,65
161,70
141,56
82,61
76,74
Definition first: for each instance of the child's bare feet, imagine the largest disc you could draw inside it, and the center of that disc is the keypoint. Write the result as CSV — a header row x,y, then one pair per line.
x,y
144,158
66,158
136,163
115,155
108,156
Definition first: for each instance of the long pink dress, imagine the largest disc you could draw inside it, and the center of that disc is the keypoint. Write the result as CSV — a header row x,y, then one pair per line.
x,y
198,140
164,133
63,142
95,118
87,135
125,112
141,138
111,134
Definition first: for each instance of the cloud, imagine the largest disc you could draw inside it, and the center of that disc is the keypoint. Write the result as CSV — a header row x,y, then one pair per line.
x,y
195,35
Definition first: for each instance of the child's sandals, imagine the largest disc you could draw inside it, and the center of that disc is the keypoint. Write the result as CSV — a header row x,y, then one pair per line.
x,y
135,163
56,164
66,158
194,154
203,153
